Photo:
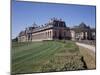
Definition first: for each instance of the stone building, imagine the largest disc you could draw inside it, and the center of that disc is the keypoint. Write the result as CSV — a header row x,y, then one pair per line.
x,y
56,29
82,32
53,30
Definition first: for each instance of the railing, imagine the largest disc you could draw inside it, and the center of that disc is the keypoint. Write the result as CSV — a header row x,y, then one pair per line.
x,y
42,28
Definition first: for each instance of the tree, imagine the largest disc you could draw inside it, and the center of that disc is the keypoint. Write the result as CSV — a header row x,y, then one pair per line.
x,y
15,40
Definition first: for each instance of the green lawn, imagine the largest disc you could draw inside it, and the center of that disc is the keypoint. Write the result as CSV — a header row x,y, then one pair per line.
x,y
46,56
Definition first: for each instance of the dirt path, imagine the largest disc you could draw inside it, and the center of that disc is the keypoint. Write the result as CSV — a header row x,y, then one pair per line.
x,y
88,53
90,47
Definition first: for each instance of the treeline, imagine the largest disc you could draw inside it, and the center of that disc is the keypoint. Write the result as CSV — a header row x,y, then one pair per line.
x,y
15,40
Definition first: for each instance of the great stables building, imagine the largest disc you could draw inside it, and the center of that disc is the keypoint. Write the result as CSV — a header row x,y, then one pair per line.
x,y
56,29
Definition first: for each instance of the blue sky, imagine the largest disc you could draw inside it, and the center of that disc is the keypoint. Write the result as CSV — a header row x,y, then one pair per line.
x,y
24,14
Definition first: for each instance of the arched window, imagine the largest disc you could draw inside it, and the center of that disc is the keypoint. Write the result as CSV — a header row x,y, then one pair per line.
x,y
55,34
48,33
64,33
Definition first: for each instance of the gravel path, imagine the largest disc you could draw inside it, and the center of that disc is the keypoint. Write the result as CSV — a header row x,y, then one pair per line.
x,y
90,47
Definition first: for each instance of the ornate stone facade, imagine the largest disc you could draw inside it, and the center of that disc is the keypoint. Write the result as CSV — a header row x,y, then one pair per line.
x,y
55,29
83,32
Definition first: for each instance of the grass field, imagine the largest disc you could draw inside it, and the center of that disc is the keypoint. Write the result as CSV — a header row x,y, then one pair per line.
x,y
46,56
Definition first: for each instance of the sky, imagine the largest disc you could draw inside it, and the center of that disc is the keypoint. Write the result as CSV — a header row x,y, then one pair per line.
x,y
24,14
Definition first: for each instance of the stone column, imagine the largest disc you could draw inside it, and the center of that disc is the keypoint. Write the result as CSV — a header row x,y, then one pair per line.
x,y
52,34
46,35
86,35
82,35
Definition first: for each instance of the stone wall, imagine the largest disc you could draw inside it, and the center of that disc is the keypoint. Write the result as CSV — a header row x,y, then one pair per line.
x,y
22,39
43,35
